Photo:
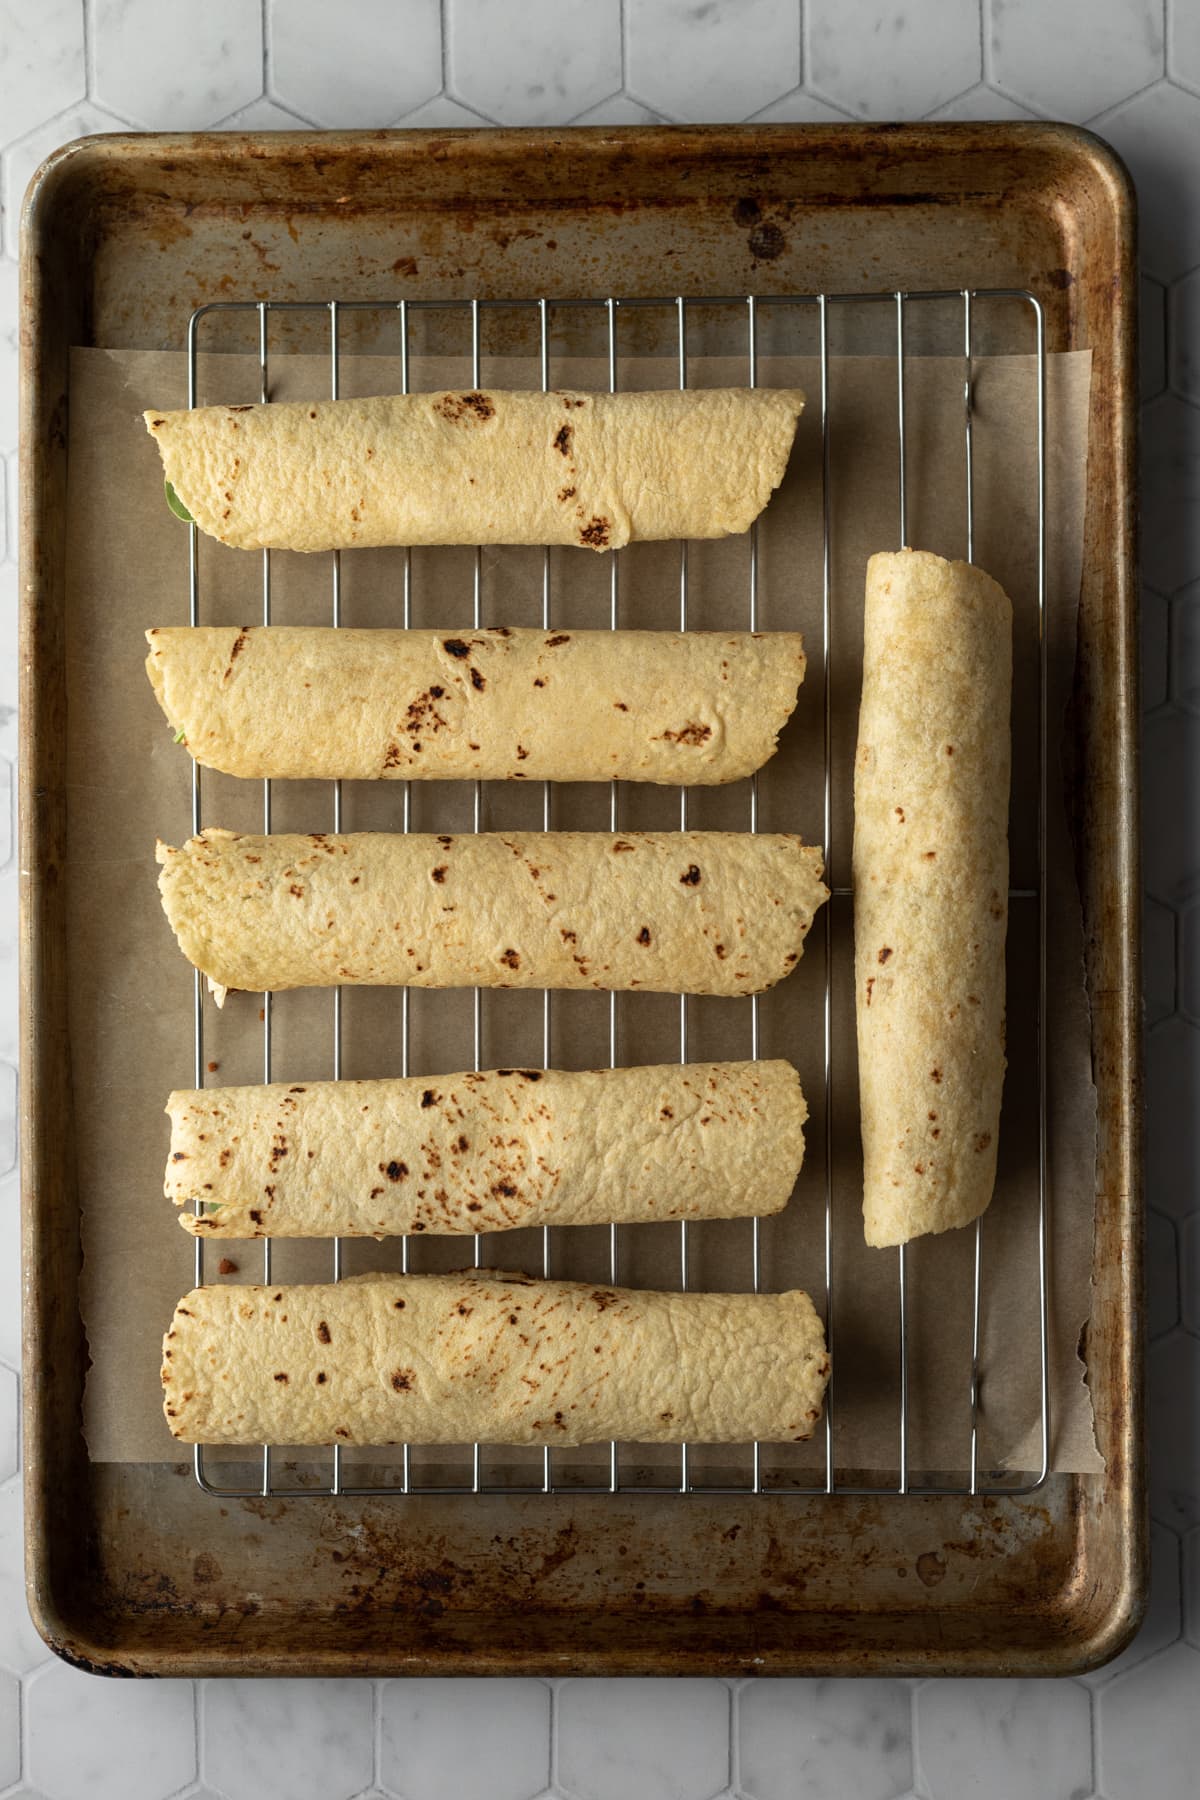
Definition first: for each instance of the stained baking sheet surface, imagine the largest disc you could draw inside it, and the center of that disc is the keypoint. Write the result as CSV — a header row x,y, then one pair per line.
x,y
131,990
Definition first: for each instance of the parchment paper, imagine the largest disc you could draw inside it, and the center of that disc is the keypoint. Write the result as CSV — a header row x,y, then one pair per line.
x,y
131,990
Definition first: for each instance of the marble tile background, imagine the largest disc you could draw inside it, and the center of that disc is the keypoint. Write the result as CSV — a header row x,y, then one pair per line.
x,y
1131,69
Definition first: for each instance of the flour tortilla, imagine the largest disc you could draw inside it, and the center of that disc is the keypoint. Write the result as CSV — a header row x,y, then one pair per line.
x,y
490,1358
695,707
931,788
597,470
678,912
487,1151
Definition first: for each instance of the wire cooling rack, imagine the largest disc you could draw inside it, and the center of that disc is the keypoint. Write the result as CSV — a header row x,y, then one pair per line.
x,y
274,1473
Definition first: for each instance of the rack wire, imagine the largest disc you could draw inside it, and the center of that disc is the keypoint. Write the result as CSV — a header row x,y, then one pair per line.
x,y
609,310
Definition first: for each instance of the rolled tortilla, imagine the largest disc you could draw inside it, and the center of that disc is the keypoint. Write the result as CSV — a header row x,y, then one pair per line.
x,y
488,1151
931,787
679,912
490,1358
597,470
696,707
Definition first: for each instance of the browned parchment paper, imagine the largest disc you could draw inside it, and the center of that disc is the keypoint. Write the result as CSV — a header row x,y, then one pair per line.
x,y
131,991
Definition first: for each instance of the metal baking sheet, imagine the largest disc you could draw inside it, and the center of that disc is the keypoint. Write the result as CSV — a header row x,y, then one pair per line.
x,y
1050,1580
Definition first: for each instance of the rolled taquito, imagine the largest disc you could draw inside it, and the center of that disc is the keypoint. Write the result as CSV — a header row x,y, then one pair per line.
x,y
488,1150
696,707
490,1358
591,469
931,784
679,912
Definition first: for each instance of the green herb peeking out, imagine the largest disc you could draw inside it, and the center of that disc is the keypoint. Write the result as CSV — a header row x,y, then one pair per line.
x,y
176,504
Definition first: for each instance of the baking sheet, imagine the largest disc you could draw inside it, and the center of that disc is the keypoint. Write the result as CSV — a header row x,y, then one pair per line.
x,y
131,990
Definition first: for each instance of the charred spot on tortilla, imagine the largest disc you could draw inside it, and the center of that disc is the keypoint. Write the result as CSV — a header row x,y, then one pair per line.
x,y
473,407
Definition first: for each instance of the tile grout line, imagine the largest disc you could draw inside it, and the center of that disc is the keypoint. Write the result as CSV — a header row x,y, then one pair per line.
x,y
23,1734
199,1715
552,1723
1094,1733
1089,124
735,1689
89,50
915,1771
985,42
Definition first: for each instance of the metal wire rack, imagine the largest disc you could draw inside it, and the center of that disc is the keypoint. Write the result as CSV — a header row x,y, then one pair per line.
x,y
469,315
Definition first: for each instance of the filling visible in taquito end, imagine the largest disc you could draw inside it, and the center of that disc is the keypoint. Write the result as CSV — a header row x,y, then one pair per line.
x,y
931,793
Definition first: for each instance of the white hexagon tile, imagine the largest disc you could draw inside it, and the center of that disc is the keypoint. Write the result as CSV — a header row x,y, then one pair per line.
x,y
10,1436
1164,1609
1152,320
1052,69
21,1648
1133,1710
1162,1274
994,1740
354,65
824,1739
1189,1273
983,102
890,62
308,1740
167,69
1158,134
263,114
686,59
442,114
538,63
86,1737
1191,1587
20,157
426,1753
661,1740
42,65
10,1729
1131,70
